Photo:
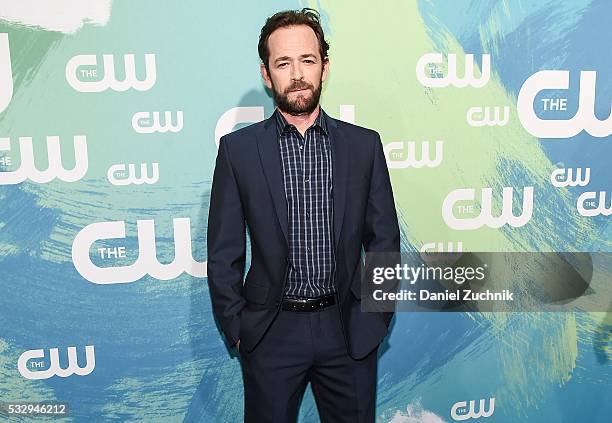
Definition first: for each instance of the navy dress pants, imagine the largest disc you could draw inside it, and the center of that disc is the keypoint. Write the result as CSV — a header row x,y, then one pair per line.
x,y
302,347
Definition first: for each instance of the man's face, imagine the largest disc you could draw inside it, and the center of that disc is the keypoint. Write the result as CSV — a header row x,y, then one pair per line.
x,y
296,69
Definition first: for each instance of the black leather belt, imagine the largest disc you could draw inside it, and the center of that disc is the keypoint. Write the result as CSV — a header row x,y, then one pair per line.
x,y
291,303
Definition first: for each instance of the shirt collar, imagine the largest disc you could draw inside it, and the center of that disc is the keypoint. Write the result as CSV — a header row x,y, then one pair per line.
x,y
283,126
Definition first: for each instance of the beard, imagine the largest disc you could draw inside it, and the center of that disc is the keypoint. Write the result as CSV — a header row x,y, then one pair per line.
x,y
301,104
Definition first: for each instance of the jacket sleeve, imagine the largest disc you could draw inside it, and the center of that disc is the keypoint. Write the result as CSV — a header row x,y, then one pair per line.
x,y
381,230
226,246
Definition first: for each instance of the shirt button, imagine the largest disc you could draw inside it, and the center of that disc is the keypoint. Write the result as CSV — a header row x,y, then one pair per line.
x,y
307,180
307,214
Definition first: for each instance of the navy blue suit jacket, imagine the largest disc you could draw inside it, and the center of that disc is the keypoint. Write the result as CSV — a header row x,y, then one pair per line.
x,y
248,193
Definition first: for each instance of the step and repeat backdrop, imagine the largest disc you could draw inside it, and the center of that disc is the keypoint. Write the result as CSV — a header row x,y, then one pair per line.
x,y
495,118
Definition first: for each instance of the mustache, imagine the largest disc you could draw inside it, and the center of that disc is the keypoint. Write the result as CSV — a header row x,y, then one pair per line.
x,y
296,87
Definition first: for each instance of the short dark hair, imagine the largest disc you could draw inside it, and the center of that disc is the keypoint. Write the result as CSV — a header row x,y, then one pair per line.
x,y
306,16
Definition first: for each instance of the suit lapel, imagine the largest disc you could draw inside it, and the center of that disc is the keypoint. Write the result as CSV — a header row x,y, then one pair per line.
x,y
269,155
340,174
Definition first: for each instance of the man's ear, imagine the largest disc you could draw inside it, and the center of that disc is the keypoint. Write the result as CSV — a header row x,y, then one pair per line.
x,y
265,76
325,69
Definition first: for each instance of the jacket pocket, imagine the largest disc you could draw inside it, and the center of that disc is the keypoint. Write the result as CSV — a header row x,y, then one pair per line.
x,y
255,293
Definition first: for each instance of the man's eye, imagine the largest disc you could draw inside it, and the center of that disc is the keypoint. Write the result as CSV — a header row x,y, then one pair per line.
x,y
281,65
309,61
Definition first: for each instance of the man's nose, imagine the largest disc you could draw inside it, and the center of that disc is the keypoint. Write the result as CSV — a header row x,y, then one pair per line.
x,y
296,72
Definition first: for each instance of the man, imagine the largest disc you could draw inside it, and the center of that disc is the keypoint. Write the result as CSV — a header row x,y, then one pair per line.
x,y
312,191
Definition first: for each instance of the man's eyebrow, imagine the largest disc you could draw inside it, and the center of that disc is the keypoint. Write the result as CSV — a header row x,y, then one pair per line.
x,y
303,56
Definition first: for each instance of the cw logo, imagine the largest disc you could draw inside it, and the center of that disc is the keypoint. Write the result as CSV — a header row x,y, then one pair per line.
x,y
109,79
429,60
146,263
6,73
123,179
54,365
438,247
486,209
460,410
588,198
394,153
563,177
432,251
481,116
237,115
27,168
561,128
144,124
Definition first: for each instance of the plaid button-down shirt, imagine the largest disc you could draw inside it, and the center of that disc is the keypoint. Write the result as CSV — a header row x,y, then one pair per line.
x,y
307,173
